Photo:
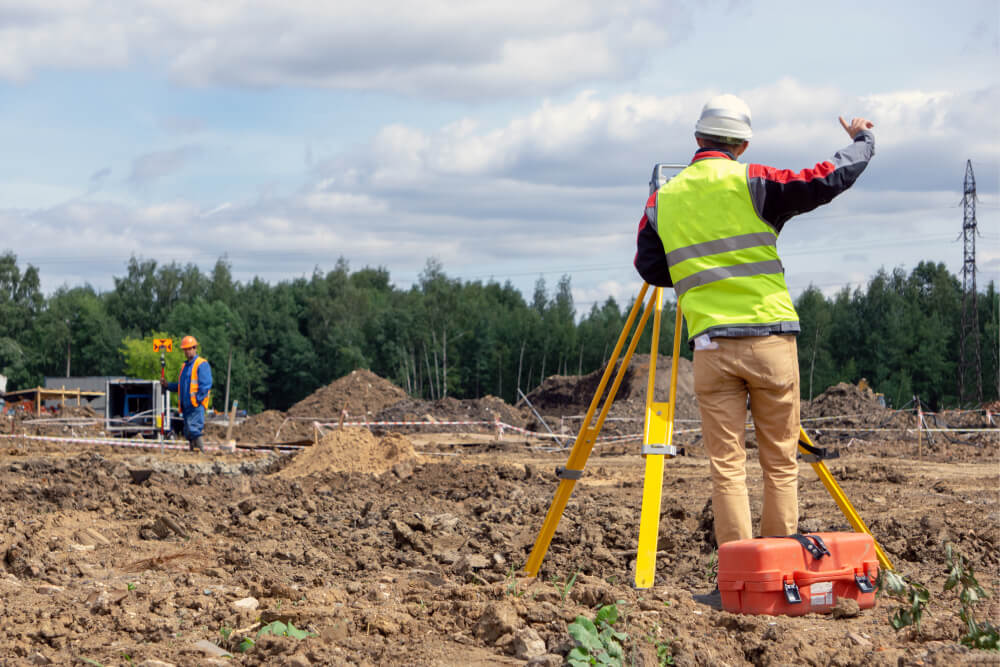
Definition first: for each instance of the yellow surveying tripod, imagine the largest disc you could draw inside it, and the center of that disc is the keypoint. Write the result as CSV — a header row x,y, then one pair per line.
x,y
656,446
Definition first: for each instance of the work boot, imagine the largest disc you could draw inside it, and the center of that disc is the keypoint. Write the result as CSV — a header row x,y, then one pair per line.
x,y
198,444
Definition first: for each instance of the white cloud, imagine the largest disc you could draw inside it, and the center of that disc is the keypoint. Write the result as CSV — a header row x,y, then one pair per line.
x,y
557,189
458,50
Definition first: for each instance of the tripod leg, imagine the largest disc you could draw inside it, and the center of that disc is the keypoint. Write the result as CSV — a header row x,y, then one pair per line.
x,y
588,434
656,430
842,501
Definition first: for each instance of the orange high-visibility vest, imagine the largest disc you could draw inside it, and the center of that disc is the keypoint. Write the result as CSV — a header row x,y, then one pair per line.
x,y
193,384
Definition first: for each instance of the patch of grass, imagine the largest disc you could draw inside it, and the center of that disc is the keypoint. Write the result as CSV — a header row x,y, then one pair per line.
x,y
512,583
712,568
563,587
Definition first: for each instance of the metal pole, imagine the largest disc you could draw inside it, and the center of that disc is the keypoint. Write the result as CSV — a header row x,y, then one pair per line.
x,y
535,412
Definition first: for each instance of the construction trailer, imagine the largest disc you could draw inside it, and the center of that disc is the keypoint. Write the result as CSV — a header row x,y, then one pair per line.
x,y
133,407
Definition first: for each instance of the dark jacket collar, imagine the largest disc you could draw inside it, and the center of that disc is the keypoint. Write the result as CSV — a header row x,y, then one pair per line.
x,y
705,153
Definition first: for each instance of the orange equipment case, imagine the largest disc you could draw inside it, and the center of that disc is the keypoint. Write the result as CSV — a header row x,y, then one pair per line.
x,y
798,574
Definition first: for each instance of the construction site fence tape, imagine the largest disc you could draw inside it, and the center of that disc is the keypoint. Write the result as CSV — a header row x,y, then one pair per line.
x,y
499,426
115,442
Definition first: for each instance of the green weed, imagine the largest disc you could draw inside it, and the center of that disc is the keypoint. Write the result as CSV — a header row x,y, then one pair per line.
x,y
564,588
280,629
979,634
663,655
512,583
597,642
712,569
914,597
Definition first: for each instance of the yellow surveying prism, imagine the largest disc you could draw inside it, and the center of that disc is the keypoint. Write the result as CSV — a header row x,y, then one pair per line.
x,y
656,446
165,344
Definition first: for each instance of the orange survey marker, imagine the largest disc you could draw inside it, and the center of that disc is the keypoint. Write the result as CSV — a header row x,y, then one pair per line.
x,y
798,574
165,344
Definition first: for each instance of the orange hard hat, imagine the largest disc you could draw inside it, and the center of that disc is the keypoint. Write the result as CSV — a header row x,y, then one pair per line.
x,y
188,342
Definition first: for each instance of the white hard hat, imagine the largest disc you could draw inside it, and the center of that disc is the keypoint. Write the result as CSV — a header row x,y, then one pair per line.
x,y
725,116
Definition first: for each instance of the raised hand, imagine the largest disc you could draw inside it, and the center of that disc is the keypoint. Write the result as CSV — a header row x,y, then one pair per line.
x,y
857,124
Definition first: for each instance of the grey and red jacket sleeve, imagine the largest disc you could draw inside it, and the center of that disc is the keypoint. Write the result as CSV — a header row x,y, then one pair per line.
x,y
777,196
780,194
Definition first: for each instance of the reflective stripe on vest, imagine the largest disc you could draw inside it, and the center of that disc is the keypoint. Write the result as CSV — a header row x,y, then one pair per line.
x,y
193,384
722,257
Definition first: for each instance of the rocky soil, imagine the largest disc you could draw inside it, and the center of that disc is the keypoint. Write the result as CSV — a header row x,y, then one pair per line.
x,y
395,548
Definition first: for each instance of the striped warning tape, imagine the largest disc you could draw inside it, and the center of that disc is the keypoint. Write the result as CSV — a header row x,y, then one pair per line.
x,y
114,442
405,423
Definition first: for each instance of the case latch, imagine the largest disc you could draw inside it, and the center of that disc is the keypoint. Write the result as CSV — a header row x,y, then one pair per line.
x,y
792,593
864,583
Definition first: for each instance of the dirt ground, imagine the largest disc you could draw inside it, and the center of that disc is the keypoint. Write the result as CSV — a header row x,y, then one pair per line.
x,y
406,549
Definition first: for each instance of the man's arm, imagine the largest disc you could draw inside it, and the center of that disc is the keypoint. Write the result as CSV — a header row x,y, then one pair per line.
x,y
780,194
650,259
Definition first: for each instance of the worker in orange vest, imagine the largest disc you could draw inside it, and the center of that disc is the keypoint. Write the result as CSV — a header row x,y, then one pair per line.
x,y
193,388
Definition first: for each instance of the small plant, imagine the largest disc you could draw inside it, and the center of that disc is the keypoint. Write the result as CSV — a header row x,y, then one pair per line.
x,y
131,586
913,596
280,629
564,588
712,569
663,654
512,583
979,634
597,642
225,632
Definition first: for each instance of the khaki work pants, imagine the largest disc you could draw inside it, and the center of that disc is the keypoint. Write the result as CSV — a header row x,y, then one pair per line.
x,y
767,369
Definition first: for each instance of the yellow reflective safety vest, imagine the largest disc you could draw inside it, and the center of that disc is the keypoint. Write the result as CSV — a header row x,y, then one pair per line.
x,y
722,257
193,384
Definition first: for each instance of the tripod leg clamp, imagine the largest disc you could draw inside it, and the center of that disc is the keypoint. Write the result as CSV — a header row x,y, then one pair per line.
x,y
566,473
664,450
816,454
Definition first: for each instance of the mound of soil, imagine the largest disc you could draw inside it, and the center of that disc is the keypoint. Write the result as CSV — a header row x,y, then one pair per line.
x,y
351,450
842,400
561,395
361,393
487,408
262,428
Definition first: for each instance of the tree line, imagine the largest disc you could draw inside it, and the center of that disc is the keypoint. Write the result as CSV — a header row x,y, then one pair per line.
x,y
448,337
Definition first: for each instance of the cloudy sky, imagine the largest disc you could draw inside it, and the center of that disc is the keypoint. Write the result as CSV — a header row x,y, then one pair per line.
x,y
508,140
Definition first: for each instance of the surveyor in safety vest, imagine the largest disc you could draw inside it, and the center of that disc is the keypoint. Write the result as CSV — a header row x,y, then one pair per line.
x,y
193,388
710,233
